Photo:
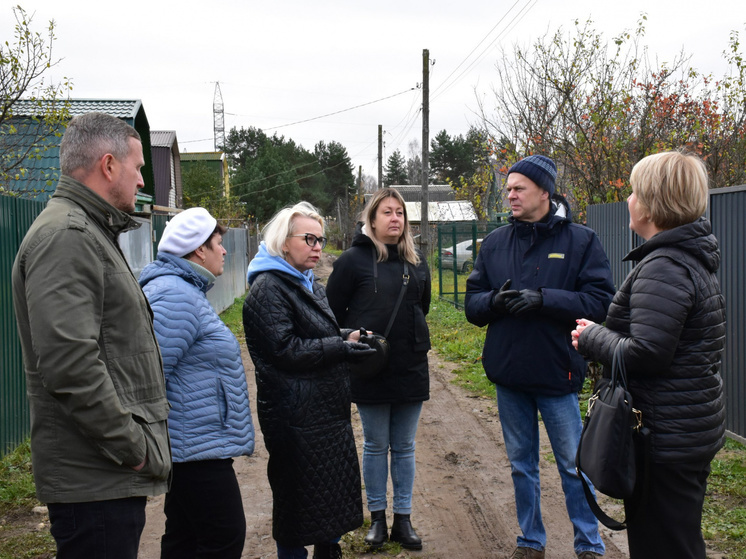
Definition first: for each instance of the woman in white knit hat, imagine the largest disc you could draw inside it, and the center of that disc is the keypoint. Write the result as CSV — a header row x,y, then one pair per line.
x,y
210,418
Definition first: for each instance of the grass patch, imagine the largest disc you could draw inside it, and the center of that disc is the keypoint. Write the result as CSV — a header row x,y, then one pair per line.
x,y
233,317
17,499
17,484
353,544
333,251
724,514
27,545
458,341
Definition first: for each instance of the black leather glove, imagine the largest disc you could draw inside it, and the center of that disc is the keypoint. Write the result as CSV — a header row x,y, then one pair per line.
x,y
502,296
356,352
527,300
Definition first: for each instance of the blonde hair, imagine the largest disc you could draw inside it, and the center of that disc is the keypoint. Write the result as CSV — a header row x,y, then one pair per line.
x,y
282,225
405,243
671,188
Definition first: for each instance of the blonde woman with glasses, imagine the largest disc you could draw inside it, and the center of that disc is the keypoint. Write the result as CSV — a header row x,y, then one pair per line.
x,y
303,389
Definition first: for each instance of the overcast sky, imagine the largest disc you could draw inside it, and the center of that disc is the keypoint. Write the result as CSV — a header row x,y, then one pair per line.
x,y
280,62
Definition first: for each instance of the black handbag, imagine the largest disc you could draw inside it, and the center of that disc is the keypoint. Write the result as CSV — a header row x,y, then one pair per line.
x,y
612,452
375,364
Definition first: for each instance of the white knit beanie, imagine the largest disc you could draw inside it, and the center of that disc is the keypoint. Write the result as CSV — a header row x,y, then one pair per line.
x,y
187,231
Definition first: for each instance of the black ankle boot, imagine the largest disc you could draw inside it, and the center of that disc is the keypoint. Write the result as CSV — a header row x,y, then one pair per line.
x,y
327,551
378,532
403,533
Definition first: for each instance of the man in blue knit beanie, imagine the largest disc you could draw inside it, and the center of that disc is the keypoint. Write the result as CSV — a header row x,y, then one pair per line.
x,y
531,280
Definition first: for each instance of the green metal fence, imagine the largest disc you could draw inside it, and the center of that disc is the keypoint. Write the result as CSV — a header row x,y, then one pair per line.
x,y
16,216
458,245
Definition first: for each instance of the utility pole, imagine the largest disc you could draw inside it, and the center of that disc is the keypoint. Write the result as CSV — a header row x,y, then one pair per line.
x,y
424,224
380,156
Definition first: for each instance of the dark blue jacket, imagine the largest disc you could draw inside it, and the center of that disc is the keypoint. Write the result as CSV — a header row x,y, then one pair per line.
x,y
567,264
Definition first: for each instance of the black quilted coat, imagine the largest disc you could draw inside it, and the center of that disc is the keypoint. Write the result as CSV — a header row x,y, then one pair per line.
x,y
671,309
303,404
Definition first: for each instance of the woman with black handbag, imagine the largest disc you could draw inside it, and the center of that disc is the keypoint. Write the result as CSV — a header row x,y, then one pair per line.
x,y
382,283
671,313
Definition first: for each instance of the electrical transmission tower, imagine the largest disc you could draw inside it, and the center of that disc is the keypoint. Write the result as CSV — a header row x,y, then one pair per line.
x,y
219,119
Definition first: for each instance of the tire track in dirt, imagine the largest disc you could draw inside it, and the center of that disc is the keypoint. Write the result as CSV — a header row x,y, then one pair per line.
x,y
463,502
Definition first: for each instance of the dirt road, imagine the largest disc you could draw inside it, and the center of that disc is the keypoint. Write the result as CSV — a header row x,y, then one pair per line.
x,y
463,499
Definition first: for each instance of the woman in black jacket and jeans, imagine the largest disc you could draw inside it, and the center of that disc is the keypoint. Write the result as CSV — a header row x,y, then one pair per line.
x,y
671,311
363,290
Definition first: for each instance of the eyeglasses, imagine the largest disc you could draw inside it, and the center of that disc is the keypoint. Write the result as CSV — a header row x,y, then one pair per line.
x,y
311,239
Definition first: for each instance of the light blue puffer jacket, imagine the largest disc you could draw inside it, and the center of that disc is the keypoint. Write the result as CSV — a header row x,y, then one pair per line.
x,y
210,416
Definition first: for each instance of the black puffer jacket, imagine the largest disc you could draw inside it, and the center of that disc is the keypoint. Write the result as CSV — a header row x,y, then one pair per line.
x,y
359,299
671,309
303,404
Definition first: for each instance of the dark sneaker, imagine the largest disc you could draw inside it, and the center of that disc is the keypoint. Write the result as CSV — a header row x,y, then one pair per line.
x,y
527,553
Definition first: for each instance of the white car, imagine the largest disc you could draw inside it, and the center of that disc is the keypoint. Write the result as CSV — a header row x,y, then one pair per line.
x,y
464,256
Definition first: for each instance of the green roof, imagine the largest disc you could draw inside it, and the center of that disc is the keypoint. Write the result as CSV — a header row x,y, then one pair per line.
x,y
202,156
42,172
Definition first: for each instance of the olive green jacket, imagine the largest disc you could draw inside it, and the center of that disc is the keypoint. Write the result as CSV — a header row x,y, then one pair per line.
x,y
94,375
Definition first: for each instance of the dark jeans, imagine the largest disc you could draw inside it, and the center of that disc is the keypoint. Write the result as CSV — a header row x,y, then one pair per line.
x,y
108,529
299,552
291,552
669,524
204,512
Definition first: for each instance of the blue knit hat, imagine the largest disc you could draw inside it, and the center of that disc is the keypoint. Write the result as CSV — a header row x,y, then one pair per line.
x,y
539,169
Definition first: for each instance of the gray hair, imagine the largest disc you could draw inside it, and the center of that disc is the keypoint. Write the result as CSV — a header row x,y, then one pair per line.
x,y
91,136
282,225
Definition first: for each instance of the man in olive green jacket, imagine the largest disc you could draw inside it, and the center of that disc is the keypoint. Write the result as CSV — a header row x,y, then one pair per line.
x,y
99,438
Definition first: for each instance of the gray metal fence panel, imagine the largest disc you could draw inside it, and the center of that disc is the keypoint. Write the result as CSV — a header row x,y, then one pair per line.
x,y
232,283
728,216
610,222
136,246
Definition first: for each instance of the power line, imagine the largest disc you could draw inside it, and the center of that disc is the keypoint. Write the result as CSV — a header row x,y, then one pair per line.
x,y
337,112
516,18
316,117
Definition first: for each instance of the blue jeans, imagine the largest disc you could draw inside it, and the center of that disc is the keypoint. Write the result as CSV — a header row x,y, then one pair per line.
x,y
520,424
110,529
389,426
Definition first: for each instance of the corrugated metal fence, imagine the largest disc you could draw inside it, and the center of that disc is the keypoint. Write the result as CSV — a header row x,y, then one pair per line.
x,y
16,216
727,212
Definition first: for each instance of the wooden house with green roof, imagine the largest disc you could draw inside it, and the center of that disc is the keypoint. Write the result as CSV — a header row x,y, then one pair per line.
x,y
42,171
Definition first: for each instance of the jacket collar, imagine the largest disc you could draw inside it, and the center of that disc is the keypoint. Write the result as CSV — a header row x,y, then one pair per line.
x,y
169,265
99,210
539,228
695,238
